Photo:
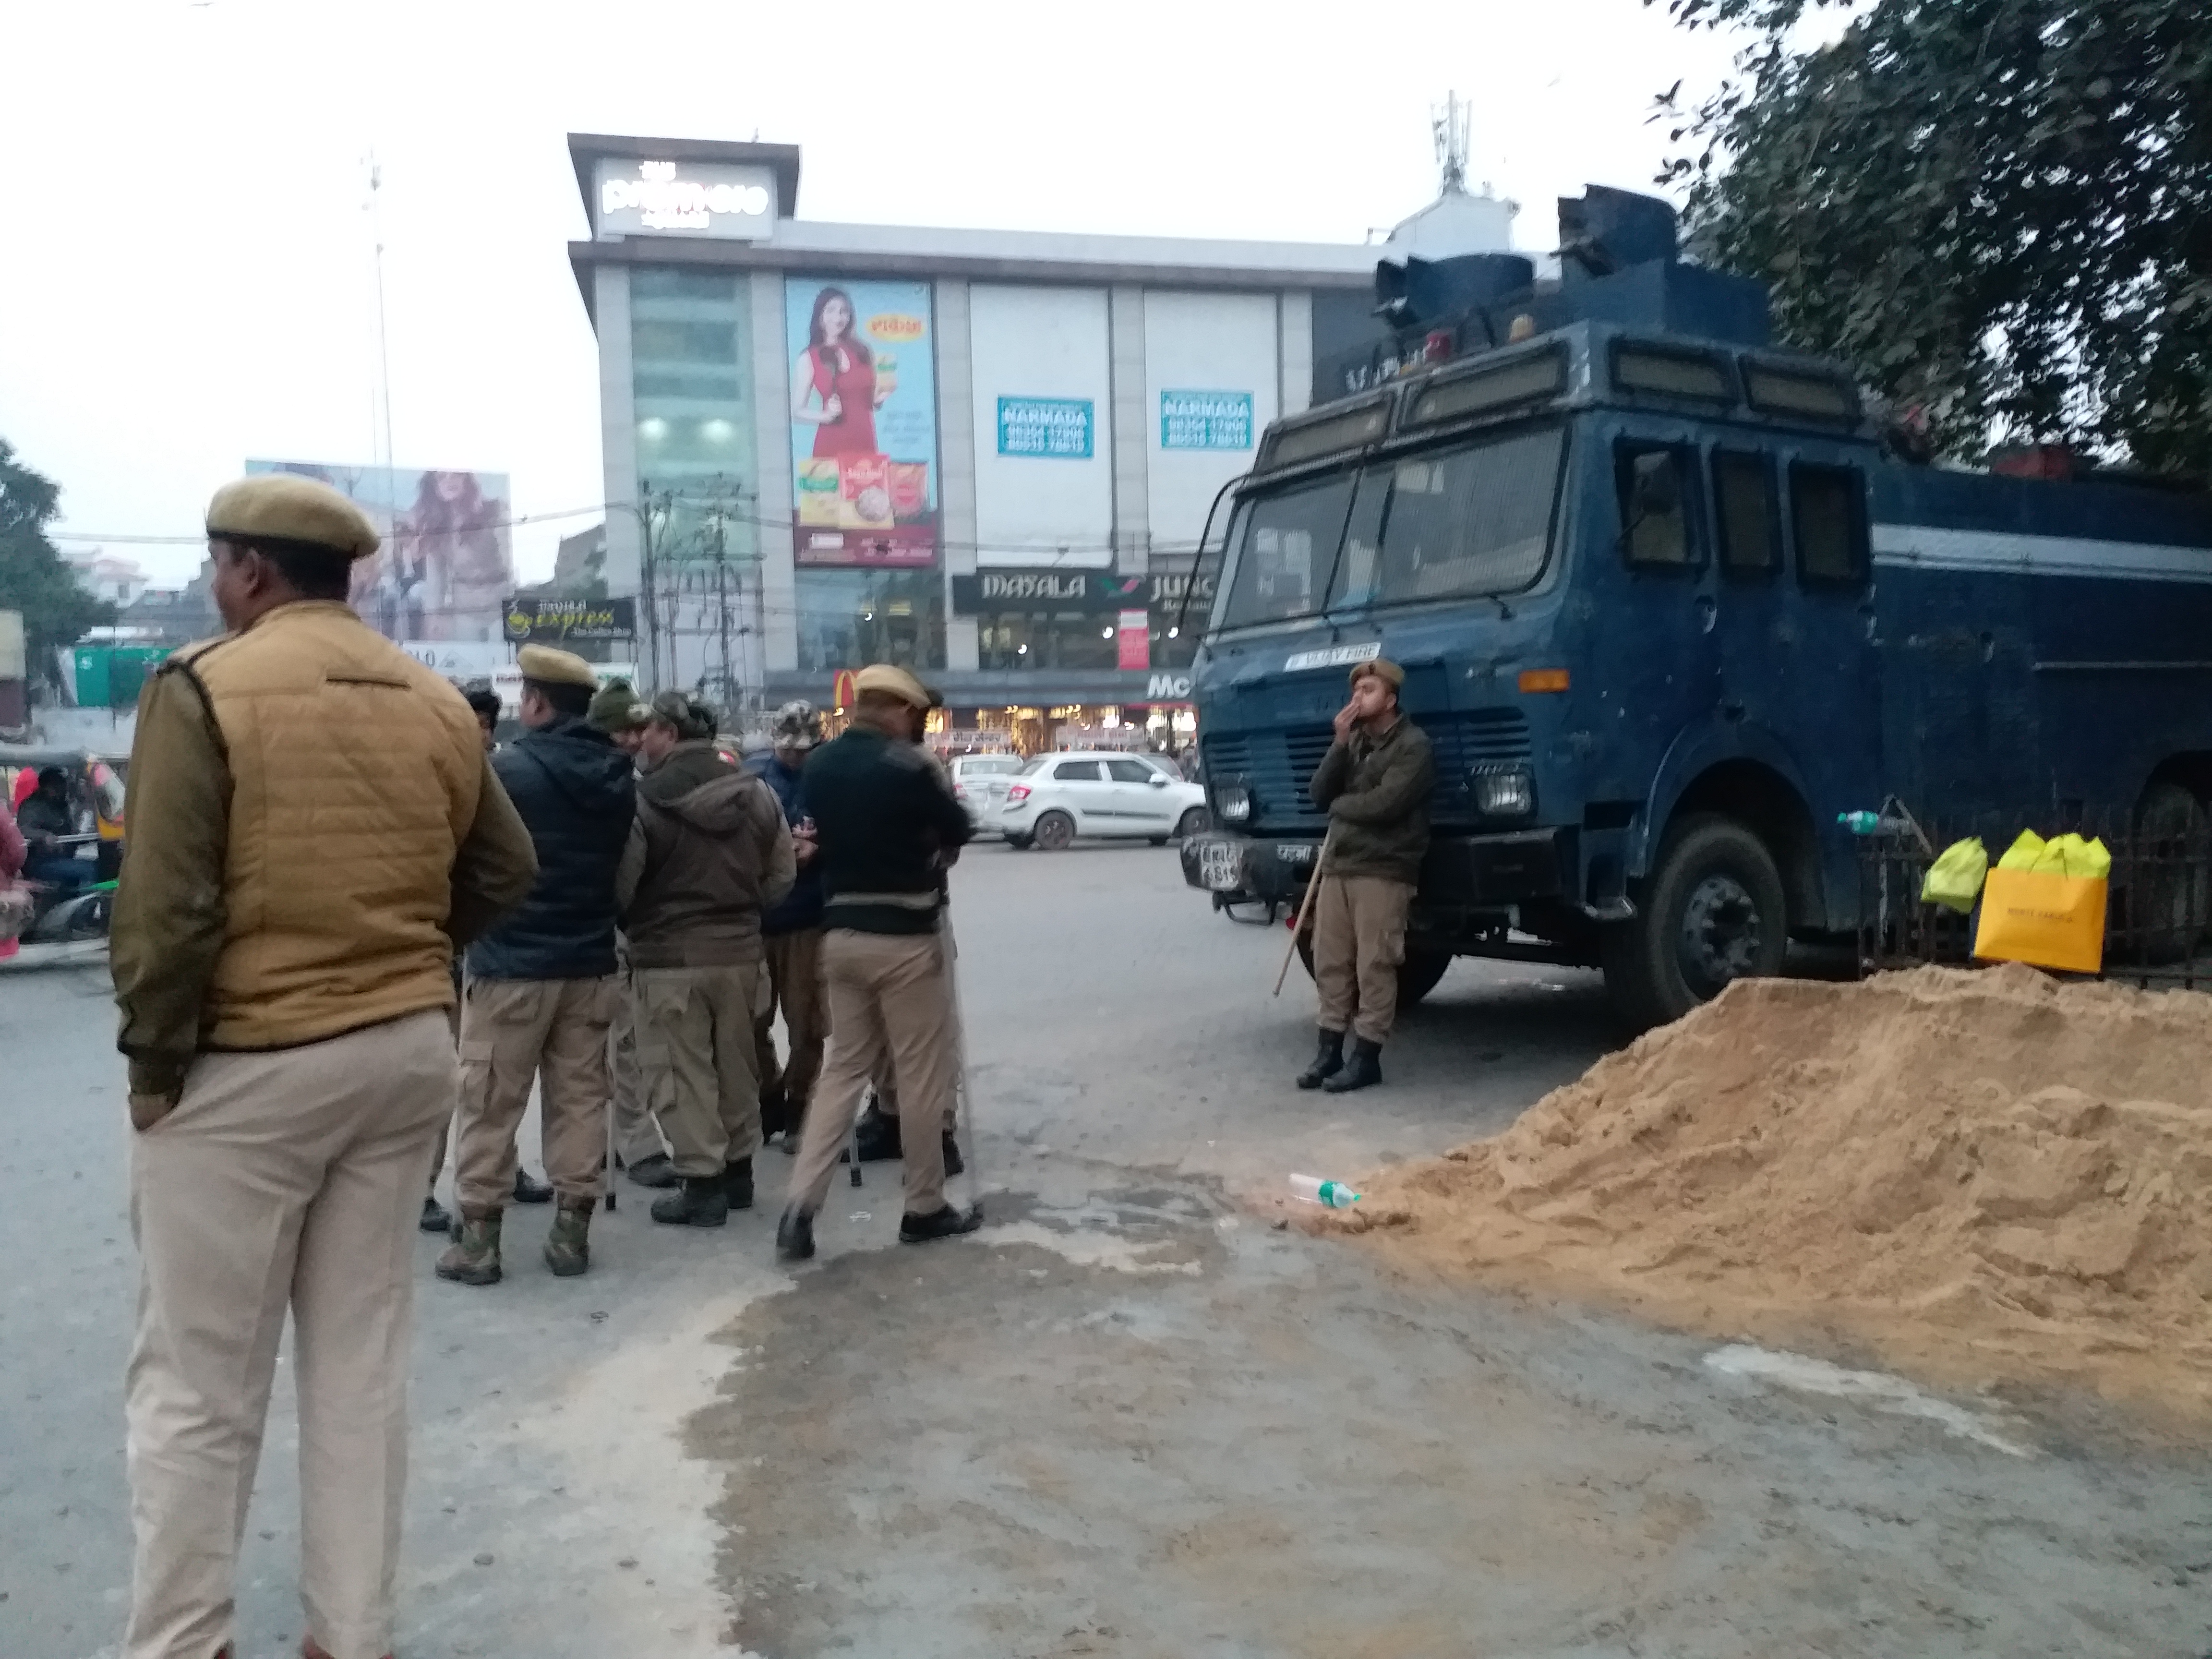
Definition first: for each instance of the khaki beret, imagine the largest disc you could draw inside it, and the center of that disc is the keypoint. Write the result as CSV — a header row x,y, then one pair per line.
x,y
284,506
617,709
548,666
893,682
1383,670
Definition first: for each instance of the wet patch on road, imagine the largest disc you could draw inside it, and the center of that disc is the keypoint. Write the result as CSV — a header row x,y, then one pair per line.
x,y
1136,1423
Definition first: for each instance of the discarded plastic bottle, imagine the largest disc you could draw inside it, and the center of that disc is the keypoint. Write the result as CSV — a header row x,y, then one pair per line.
x,y
1333,1193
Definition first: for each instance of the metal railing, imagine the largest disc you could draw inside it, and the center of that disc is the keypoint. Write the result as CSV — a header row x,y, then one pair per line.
x,y
2158,915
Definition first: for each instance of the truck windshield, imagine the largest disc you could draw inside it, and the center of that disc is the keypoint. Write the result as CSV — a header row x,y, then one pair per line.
x,y
1285,547
1469,519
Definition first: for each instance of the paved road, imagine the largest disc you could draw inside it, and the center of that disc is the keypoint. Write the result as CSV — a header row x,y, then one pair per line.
x,y
1128,1418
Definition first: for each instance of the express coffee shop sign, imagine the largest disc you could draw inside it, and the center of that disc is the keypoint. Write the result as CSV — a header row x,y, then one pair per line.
x,y
1090,592
557,622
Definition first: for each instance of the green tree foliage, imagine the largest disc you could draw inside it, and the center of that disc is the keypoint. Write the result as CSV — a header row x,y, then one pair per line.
x,y
1999,210
33,578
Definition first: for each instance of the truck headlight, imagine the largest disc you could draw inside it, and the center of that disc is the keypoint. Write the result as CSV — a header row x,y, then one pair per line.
x,y
1507,792
1232,803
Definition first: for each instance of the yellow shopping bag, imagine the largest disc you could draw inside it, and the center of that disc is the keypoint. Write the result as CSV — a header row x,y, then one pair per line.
x,y
2044,920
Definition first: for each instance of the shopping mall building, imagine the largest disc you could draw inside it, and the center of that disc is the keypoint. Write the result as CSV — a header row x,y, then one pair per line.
x,y
987,455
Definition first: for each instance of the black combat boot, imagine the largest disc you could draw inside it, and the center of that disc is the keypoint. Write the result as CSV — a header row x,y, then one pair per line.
x,y
529,1190
738,1183
1328,1060
435,1216
948,1222
795,1235
1362,1070
954,1163
697,1201
876,1135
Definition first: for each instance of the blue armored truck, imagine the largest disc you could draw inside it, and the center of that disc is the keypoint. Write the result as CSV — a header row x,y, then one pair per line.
x,y
1669,601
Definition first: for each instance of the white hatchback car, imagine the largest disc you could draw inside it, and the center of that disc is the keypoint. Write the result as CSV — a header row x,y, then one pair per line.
x,y
1056,798
979,783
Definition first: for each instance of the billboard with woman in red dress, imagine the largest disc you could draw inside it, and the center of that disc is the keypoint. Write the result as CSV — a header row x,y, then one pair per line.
x,y
863,423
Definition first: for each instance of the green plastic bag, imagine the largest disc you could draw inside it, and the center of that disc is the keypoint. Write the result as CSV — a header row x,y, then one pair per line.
x,y
1955,879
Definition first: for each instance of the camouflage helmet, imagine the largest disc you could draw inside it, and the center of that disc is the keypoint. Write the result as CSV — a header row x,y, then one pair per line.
x,y
796,725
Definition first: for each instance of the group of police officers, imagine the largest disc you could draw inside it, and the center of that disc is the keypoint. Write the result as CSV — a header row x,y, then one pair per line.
x,y
319,825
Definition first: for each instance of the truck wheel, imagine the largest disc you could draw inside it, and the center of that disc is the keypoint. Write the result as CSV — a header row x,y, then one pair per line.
x,y
1713,911
2168,904
1417,975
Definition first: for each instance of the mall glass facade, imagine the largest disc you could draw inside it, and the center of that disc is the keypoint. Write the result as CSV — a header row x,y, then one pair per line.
x,y
691,355
849,618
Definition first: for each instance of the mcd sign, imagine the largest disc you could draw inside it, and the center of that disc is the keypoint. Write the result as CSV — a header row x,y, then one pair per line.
x,y
1168,688
842,694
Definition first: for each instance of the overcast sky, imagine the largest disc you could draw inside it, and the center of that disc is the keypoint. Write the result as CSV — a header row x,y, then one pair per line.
x,y
185,269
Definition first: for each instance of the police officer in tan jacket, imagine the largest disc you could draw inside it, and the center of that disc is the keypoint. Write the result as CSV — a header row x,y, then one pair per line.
x,y
313,827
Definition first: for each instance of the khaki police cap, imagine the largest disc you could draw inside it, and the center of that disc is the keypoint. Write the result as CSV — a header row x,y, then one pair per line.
x,y
284,506
1383,670
548,666
893,682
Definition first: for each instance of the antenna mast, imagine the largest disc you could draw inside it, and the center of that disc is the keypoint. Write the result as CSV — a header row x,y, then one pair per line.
x,y
1448,128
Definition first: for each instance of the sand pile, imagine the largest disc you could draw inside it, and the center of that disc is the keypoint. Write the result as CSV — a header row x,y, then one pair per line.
x,y
1983,1177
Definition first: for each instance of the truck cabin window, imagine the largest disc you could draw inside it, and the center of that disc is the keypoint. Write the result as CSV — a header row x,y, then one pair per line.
x,y
1750,525
1457,523
1285,550
1827,507
1655,513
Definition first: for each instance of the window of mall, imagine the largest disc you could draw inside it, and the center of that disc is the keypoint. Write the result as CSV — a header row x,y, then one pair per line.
x,y
1041,641
689,346
850,618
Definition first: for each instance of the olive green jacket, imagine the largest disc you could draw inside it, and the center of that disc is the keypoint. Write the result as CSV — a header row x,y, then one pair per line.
x,y
1377,790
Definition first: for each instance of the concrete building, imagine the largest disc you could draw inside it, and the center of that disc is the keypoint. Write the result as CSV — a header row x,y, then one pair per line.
x,y
987,455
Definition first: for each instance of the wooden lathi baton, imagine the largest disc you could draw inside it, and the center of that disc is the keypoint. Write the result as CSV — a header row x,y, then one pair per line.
x,y
1305,904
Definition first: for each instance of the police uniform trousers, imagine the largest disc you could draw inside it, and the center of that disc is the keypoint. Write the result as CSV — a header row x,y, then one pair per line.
x,y
287,1178
696,1050
795,985
637,1132
440,1147
891,999
1359,940
515,1032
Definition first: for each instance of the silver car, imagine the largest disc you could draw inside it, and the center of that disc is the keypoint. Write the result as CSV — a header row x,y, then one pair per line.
x,y
979,783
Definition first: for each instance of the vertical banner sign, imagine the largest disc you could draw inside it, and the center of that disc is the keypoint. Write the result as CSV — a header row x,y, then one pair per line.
x,y
1049,429
1205,420
1134,639
863,421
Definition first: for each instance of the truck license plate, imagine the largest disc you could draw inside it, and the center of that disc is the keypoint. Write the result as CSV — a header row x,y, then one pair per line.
x,y
1218,866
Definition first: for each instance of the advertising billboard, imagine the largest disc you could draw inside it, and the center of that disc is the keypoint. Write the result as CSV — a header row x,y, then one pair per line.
x,y
1212,376
863,421
1044,388
447,561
